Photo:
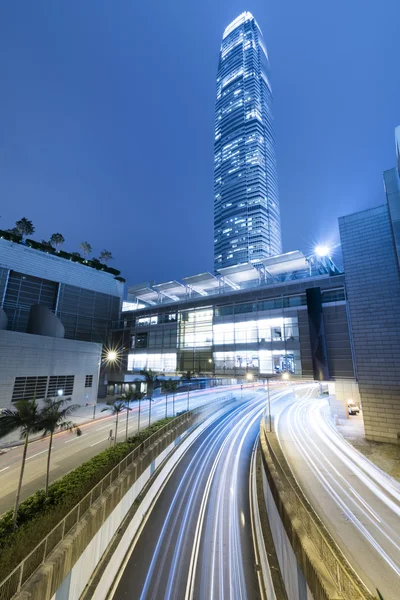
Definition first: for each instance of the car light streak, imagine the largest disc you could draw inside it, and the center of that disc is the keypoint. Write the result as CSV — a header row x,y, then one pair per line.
x,y
368,497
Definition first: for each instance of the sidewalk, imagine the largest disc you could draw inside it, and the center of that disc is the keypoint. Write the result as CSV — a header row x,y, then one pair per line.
x,y
83,415
385,456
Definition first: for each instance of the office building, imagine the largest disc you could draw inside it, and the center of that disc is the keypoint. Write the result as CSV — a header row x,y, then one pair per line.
x,y
246,199
258,321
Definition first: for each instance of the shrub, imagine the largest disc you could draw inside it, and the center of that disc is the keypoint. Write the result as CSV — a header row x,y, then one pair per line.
x,y
37,515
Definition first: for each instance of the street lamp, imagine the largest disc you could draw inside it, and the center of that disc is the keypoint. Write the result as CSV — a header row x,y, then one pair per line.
x,y
60,392
285,376
322,251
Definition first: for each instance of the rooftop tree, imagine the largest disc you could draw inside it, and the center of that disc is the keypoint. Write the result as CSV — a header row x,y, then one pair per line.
x,y
86,248
57,240
106,256
25,227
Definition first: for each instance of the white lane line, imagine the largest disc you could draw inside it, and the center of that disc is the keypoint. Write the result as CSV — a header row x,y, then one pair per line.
x,y
78,437
33,455
5,469
99,442
105,427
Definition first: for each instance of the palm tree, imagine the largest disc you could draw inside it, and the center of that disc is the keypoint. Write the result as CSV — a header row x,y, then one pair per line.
x,y
152,382
25,227
173,386
188,376
105,256
127,397
139,396
169,386
115,408
57,240
54,415
166,389
27,419
86,248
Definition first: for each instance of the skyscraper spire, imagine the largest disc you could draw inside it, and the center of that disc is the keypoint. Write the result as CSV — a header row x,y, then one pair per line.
x,y
246,198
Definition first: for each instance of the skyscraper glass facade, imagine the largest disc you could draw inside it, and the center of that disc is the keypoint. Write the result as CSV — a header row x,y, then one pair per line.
x,y
246,202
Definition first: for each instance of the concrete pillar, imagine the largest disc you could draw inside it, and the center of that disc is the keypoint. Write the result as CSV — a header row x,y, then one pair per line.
x,y
340,392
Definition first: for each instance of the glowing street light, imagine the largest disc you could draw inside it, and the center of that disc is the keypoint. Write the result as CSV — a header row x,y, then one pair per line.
x,y
285,376
322,250
112,355
249,376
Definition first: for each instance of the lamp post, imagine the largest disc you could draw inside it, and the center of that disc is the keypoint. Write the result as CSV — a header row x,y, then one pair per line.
x,y
285,376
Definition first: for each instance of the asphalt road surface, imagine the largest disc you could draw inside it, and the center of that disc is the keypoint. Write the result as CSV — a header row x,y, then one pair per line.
x,y
69,450
358,503
197,541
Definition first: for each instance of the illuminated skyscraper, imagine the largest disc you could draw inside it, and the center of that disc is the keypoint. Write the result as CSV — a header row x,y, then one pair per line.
x,y
246,199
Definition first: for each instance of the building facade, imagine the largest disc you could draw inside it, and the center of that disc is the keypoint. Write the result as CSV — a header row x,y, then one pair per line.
x,y
246,199
264,331
37,366
54,316
85,300
371,249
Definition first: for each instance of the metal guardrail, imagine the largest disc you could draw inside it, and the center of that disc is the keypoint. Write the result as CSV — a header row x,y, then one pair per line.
x,y
347,582
11,585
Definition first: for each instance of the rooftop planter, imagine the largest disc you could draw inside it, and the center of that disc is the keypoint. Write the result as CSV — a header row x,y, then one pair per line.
x,y
74,256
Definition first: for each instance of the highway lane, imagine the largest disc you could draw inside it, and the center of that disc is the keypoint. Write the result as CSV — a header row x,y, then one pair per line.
x,y
69,450
197,540
358,503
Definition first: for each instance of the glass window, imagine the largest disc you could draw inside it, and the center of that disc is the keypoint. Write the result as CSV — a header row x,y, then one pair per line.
x,y
141,340
157,362
333,296
142,321
221,311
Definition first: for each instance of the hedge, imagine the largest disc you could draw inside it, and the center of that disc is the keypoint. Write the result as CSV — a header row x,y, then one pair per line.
x,y
38,515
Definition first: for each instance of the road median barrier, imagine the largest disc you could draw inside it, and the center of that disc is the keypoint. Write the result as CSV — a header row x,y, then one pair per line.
x,y
326,571
64,560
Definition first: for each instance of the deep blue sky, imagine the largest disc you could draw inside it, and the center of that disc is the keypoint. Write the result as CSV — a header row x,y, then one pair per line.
x,y
107,118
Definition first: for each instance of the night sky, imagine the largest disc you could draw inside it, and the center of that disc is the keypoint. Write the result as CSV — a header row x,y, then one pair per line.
x,y
107,120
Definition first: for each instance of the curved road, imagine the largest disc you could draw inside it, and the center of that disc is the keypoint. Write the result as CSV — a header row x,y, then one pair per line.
x,y
358,503
197,540
69,451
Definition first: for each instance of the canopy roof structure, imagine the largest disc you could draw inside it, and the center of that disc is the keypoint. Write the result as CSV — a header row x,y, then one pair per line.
x,y
172,289
240,274
283,267
143,292
203,284
285,263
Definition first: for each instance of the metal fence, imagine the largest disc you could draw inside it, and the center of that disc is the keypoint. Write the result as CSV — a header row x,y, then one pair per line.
x,y
345,579
13,582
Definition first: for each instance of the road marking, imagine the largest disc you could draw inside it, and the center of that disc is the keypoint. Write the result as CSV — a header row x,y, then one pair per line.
x,y
99,442
33,456
78,437
5,468
100,428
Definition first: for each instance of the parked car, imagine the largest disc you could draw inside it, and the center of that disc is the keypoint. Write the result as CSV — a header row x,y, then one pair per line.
x,y
352,408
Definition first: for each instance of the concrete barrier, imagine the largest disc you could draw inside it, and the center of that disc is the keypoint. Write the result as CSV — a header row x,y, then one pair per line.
x,y
301,540
68,569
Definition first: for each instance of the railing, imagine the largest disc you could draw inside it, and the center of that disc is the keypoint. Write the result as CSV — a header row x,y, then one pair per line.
x,y
346,581
21,573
